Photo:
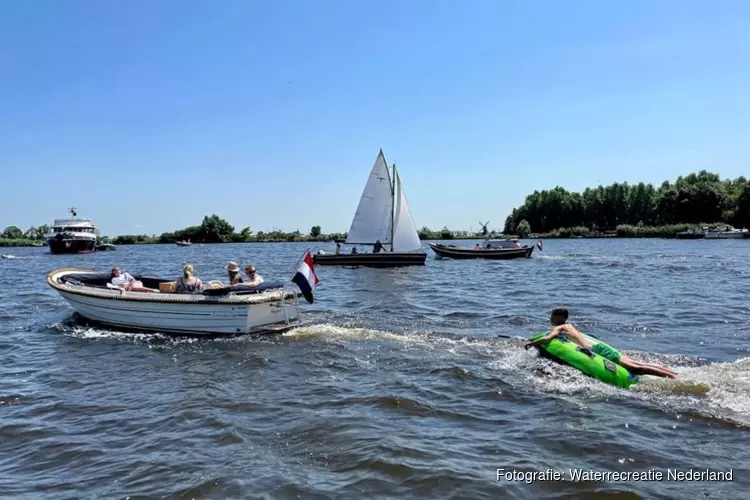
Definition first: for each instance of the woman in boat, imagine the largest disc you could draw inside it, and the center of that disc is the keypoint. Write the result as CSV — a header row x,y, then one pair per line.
x,y
127,282
233,271
188,282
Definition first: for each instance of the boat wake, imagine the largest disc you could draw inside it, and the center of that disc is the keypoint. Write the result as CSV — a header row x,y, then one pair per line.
x,y
707,390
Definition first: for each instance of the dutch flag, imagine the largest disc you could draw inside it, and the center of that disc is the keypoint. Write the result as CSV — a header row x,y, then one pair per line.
x,y
305,277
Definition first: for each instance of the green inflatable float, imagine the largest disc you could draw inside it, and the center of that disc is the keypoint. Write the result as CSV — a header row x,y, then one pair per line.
x,y
564,351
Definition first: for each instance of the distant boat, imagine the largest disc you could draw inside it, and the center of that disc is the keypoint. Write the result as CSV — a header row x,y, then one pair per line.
x,y
105,247
691,234
382,215
73,235
490,249
725,232
183,243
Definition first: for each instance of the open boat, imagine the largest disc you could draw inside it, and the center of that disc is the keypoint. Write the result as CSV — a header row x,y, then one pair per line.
x,y
382,215
268,308
492,249
183,243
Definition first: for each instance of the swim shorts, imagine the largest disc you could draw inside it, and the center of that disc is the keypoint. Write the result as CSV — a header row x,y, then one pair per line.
x,y
607,352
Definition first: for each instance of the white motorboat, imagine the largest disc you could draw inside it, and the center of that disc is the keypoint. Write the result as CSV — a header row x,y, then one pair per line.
x,y
724,232
268,308
74,235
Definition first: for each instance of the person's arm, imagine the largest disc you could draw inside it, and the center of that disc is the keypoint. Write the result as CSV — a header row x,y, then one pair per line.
x,y
552,334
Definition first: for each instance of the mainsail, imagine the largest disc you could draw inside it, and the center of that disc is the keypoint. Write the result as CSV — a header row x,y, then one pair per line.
x,y
405,236
373,219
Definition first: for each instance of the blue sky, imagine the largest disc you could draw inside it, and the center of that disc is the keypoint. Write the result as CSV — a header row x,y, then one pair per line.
x,y
148,115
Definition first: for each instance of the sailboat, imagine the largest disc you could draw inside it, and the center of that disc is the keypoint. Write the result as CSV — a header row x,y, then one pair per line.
x,y
382,215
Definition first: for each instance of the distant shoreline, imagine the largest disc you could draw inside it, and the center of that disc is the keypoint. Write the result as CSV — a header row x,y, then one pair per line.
x,y
6,243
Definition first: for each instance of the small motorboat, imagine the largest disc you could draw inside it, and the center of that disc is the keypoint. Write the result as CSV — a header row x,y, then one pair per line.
x,y
725,231
183,243
8,256
268,308
490,249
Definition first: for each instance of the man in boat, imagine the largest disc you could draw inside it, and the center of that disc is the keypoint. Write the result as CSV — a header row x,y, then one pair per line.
x,y
559,317
338,248
354,250
253,278
377,247
126,282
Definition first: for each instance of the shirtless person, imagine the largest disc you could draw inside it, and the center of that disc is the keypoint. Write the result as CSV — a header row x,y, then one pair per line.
x,y
559,318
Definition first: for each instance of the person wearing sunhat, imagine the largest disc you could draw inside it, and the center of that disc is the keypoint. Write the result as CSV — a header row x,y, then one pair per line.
x,y
254,279
234,273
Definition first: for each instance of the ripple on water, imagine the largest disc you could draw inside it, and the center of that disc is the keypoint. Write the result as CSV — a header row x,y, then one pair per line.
x,y
397,387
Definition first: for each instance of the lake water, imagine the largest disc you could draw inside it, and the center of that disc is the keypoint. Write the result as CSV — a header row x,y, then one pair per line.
x,y
398,387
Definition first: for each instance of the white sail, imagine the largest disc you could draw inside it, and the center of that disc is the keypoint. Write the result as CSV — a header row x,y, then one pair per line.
x,y
405,236
374,216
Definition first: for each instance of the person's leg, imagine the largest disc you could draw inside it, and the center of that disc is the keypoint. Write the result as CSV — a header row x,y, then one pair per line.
x,y
645,368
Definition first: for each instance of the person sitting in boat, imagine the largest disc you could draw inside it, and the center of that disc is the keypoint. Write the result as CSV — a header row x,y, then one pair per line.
x,y
253,278
234,273
377,247
188,282
127,282
559,317
354,250
338,248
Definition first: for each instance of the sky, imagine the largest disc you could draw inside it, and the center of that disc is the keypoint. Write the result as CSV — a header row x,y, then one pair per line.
x,y
148,115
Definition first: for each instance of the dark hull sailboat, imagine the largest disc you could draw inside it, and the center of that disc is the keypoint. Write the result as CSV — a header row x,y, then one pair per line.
x,y
382,259
383,216
454,252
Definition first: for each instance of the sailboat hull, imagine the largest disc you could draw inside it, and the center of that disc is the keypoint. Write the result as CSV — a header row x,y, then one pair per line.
x,y
381,259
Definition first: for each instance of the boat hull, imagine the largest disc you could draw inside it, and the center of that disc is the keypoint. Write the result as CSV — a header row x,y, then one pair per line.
x,y
380,259
71,245
724,235
198,314
451,252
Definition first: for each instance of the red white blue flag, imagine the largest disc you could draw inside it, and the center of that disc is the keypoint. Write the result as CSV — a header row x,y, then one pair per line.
x,y
305,277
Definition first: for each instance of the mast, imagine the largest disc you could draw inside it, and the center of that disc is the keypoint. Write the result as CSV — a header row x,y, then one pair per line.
x,y
393,206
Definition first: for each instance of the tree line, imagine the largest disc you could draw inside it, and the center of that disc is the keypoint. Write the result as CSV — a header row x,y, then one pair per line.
x,y
696,199
214,229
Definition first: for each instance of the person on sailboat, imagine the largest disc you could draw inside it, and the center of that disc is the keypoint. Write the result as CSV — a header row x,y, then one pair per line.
x,y
377,247
338,248
354,250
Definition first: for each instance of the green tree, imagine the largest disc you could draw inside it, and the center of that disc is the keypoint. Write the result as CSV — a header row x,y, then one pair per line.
x,y
214,229
13,233
700,197
41,231
446,234
315,232
523,229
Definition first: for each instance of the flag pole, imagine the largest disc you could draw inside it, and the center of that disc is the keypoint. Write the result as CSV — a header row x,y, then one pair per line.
x,y
296,266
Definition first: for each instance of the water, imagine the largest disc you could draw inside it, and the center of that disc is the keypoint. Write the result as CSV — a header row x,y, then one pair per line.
x,y
398,387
